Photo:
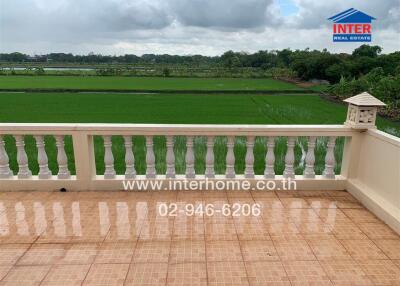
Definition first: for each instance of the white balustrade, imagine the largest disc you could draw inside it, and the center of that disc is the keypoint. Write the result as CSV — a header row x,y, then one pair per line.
x,y
44,171
329,171
130,172
210,173
289,159
62,159
249,170
310,158
170,158
270,159
5,171
189,158
230,158
109,172
150,158
22,158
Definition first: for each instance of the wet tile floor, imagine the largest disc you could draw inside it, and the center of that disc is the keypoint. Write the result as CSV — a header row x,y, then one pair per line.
x,y
122,238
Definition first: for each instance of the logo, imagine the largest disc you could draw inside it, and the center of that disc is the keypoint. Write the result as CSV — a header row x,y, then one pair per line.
x,y
352,26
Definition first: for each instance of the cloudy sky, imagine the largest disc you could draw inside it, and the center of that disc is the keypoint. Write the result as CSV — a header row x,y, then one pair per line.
x,y
207,27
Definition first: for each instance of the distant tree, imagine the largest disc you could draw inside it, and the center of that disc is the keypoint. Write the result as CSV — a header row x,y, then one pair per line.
x,y
367,51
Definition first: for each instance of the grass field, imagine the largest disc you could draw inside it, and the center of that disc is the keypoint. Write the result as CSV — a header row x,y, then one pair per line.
x,y
141,83
174,108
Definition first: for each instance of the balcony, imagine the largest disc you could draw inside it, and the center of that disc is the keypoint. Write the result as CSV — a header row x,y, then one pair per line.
x,y
338,225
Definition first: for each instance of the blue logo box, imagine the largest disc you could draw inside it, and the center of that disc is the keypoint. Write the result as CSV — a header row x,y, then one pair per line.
x,y
352,37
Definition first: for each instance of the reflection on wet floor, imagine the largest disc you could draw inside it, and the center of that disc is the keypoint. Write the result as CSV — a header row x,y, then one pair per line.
x,y
74,238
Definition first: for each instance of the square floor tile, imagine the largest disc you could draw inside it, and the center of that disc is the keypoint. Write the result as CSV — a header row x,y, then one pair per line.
x,y
223,251
151,251
187,274
4,270
25,275
378,231
80,253
391,247
187,251
347,230
10,253
360,215
265,273
147,274
43,254
226,273
381,272
106,274
188,231
345,272
262,250
115,252
66,275
283,230
253,231
306,273
294,250
295,203
220,231
328,249
363,249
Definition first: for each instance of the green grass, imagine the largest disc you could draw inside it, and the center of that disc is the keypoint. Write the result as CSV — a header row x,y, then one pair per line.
x,y
184,109
141,83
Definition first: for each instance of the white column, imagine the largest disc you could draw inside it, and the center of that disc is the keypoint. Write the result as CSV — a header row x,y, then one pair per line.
x,y
289,159
210,158
22,158
62,160
44,171
230,158
5,171
130,172
269,172
170,158
150,158
329,171
190,173
310,159
249,170
109,172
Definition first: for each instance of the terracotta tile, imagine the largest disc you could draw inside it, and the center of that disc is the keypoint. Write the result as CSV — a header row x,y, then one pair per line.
x,y
306,273
189,195
127,232
322,203
363,249
187,274
188,231
10,253
381,272
360,215
207,194
345,272
157,231
299,216
397,262
106,274
115,252
378,231
252,231
25,275
43,254
328,249
262,250
187,251
80,253
220,231
275,215
332,216
264,273
391,247
348,203
147,274
4,270
315,230
223,251
345,230
293,250
295,203
151,251
283,230
269,203
66,275
238,194
226,273
263,194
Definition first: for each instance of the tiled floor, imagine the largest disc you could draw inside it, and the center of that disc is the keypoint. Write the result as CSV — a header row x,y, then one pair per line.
x,y
121,238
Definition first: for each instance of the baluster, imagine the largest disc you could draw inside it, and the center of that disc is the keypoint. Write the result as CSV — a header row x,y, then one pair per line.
x,y
289,159
249,170
22,158
109,172
210,158
150,158
190,173
310,159
130,172
62,160
329,171
170,158
44,172
230,158
5,171
269,172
